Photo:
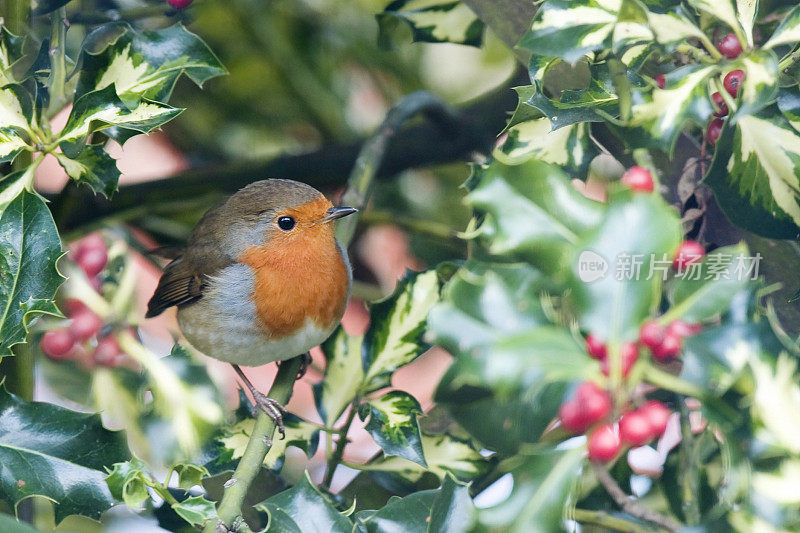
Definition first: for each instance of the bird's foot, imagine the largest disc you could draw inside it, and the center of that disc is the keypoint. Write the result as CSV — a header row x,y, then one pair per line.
x,y
272,408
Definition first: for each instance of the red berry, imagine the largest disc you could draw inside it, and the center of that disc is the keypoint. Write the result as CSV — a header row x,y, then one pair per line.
x,y
638,179
657,415
669,348
85,325
595,347
572,417
73,307
93,241
651,334
179,4
593,402
661,81
688,252
57,343
604,444
629,354
730,46
93,261
713,130
635,428
683,329
720,107
108,353
732,81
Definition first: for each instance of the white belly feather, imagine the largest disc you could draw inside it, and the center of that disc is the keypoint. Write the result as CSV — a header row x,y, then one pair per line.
x,y
224,325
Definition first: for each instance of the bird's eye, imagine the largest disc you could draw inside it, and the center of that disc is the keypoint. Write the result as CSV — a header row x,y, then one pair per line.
x,y
286,223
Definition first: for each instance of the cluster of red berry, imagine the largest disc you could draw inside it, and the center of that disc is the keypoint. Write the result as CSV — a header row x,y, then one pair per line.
x,y
591,406
82,340
730,47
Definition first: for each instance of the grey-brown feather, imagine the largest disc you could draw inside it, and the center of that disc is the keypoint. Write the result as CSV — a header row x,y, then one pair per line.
x,y
184,278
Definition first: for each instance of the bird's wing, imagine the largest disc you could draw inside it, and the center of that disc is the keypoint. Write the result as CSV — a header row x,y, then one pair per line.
x,y
179,284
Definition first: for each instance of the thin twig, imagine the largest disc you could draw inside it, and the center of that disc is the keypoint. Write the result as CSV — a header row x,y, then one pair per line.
x,y
605,520
631,506
335,458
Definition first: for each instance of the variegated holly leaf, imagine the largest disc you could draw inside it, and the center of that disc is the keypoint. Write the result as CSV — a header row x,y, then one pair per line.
x,y
661,114
432,21
755,174
393,424
127,482
673,27
394,337
524,111
11,144
304,508
29,248
759,87
10,53
344,375
94,167
789,104
196,510
16,108
569,29
100,109
532,213
57,453
788,32
443,454
569,147
725,11
539,498
299,433
144,64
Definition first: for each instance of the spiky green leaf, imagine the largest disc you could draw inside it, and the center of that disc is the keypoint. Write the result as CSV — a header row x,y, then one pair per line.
x,y
29,248
196,510
57,453
94,167
432,21
304,508
127,482
299,433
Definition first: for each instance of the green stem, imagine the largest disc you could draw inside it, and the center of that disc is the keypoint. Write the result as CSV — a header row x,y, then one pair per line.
x,y
359,185
605,520
690,481
710,46
619,77
336,457
230,507
56,83
15,15
667,381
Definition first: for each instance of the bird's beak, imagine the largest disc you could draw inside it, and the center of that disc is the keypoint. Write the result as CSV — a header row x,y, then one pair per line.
x,y
337,212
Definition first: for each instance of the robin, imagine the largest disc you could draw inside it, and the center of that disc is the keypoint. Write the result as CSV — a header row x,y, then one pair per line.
x,y
261,279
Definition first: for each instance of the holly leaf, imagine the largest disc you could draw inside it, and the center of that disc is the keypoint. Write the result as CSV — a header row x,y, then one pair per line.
x,y
787,32
569,29
759,87
569,147
144,64
443,454
11,144
102,109
393,424
16,109
394,337
532,213
127,482
196,510
190,475
9,524
725,11
10,52
29,248
94,167
51,451
754,174
299,433
542,484
344,375
616,299
431,21
661,114
304,508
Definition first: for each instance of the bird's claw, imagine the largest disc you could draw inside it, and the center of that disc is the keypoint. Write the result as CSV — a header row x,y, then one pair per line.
x,y
273,409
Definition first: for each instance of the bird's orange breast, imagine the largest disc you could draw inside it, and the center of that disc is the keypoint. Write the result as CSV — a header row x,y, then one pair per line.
x,y
298,277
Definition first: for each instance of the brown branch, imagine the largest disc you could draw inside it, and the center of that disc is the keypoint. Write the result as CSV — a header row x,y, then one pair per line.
x,y
631,506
